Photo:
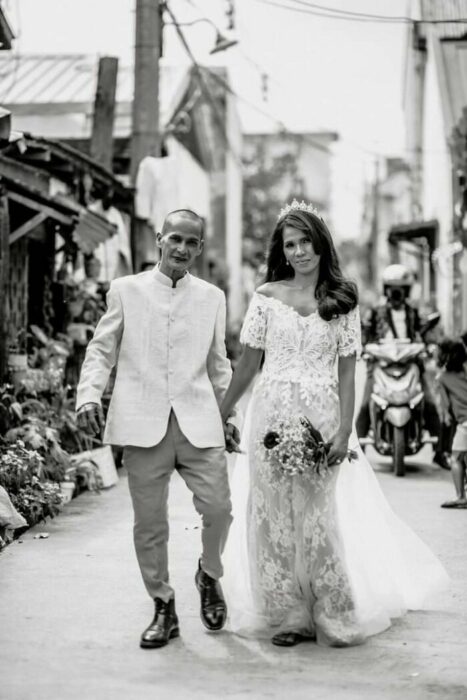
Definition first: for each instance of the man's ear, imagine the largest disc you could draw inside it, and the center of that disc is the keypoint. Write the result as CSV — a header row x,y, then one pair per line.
x,y
158,239
201,246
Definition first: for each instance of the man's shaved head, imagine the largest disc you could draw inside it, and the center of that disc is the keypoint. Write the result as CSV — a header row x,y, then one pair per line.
x,y
183,217
180,242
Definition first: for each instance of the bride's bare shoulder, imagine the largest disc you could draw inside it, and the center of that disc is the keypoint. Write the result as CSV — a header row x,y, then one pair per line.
x,y
269,289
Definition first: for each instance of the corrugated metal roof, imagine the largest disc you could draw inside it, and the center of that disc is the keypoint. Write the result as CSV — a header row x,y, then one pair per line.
x,y
42,79
446,10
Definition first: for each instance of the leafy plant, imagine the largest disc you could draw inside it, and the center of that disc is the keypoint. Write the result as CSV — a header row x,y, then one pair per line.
x,y
38,500
23,476
10,408
37,435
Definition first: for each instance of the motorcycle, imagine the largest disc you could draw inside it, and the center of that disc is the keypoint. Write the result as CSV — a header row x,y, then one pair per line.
x,y
397,403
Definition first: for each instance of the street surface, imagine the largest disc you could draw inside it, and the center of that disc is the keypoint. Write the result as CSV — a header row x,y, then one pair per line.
x,y
73,606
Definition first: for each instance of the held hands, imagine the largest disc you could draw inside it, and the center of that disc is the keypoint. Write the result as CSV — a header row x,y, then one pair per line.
x,y
90,418
232,438
338,450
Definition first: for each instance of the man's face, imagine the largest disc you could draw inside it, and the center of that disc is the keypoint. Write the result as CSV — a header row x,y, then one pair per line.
x,y
397,296
180,243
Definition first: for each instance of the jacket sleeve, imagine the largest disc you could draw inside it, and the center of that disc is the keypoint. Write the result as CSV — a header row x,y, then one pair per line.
x,y
218,365
368,326
418,325
102,352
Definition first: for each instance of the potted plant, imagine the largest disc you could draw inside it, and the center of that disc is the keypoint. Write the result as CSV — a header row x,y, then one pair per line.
x,y
68,484
86,472
17,356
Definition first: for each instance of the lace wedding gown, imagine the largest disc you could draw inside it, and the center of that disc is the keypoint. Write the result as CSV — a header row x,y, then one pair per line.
x,y
319,554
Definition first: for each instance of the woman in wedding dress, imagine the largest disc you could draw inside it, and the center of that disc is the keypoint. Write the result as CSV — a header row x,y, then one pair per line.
x,y
312,555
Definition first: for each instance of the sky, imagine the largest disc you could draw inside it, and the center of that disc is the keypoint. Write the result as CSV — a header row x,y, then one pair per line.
x,y
324,74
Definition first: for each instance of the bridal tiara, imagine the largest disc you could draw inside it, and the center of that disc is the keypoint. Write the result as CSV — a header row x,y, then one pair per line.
x,y
296,205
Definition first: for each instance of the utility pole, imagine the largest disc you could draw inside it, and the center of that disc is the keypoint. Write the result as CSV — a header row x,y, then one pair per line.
x,y
374,232
145,140
104,112
417,117
4,282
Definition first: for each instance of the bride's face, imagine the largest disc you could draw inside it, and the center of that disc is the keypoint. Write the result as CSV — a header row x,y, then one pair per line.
x,y
299,251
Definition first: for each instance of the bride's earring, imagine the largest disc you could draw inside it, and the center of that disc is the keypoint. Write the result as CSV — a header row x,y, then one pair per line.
x,y
287,263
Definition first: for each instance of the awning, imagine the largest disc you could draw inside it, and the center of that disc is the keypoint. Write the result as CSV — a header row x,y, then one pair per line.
x,y
91,231
415,231
87,228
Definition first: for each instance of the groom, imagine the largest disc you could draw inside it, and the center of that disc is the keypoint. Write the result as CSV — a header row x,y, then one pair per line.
x,y
165,331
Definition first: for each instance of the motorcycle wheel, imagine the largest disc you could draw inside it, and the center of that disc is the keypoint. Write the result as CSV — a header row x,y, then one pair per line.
x,y
399,451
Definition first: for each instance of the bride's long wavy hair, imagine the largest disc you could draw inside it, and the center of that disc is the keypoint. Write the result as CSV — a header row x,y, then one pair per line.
x,y
335,294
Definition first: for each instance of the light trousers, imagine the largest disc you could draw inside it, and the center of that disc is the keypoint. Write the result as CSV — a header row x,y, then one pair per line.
x,y
204,471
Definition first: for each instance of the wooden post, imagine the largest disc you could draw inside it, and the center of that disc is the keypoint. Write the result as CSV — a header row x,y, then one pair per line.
x,y
416,123
104,112
4,281
145,140
373,243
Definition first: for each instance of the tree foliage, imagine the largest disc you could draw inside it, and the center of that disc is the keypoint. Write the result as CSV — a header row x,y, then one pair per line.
x,y
269,181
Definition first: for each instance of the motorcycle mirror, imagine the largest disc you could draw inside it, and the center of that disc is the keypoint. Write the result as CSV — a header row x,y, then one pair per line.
x,y
431,321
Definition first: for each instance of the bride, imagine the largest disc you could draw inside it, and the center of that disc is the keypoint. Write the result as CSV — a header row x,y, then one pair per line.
x,y
311,555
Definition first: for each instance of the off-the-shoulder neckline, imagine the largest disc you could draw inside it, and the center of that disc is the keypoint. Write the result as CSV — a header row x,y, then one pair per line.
x,y
286,306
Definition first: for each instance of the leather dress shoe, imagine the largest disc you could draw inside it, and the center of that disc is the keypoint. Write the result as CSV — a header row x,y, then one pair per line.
x,y
287,639
213,606
442,460
163,627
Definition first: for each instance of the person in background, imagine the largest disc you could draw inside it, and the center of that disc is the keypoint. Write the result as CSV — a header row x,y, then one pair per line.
x,y
452,384
396,319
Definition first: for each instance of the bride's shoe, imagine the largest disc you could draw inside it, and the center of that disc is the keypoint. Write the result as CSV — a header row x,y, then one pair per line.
x,y
287,639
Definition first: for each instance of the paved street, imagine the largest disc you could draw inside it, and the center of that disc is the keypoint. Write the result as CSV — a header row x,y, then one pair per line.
x,y
73,606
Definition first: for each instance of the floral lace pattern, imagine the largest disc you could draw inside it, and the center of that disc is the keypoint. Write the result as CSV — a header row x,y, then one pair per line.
x,y
298,574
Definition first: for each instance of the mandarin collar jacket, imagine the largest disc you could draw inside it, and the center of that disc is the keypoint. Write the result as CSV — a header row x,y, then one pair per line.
x,y
168,347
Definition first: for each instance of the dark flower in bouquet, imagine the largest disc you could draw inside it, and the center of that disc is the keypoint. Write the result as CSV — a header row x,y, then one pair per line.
x,y
296,446
271,439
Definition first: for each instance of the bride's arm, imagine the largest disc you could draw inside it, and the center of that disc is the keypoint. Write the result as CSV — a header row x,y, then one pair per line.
x,y
245,370
346,375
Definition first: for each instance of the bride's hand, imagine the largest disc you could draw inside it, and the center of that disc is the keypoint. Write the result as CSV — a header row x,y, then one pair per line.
x,y
339,448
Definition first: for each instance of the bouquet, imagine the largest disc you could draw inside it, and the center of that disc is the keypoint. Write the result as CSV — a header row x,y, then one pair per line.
x,y
297,446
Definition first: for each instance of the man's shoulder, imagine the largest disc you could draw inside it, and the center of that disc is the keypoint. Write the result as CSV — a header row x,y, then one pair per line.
x,y
206,287
131,281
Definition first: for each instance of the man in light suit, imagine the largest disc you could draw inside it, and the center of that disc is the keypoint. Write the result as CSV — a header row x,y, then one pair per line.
x,y
165,331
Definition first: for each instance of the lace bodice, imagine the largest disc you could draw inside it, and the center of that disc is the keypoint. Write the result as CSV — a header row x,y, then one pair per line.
x,y
299,348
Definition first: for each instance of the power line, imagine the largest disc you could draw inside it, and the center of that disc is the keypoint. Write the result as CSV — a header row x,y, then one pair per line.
x,y
257,66
306,8
280,124
316,144
352,13
203,84
349,14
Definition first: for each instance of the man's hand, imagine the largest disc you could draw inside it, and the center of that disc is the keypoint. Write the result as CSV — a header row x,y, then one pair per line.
x,y
446,418
232,438
90,418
